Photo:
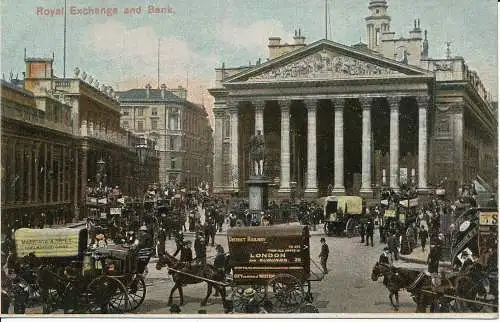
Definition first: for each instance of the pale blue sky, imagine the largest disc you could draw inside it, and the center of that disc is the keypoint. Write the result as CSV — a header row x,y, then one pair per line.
x,y
200,35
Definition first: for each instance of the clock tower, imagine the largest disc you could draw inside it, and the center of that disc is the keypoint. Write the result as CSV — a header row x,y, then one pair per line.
x,y
377,23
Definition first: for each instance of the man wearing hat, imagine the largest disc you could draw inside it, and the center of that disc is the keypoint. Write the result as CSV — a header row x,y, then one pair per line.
x,y
186,253
323,255
200,248
219,264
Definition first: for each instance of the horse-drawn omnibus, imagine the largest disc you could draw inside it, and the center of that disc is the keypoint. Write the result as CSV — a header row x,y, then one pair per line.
x,y
276,263
79,278
342,214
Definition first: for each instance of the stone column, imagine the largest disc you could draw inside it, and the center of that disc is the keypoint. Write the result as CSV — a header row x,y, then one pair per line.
x,y
37,171
218,139
311,180
90,128
366,153
259,116
235,170
423,102
285,147
338,184
394,143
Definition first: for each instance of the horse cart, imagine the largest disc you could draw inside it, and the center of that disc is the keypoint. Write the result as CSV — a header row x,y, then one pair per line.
x,y
342,215
276,263
80,279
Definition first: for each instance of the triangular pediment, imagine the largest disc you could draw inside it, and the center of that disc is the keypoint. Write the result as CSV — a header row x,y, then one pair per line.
x,y
326,60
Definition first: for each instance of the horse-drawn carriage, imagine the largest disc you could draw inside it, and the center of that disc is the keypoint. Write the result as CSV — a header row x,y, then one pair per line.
x,y
342,215
276,263
80,279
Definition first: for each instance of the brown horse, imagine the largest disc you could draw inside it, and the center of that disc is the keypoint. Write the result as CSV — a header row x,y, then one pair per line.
x,y
387,272
419,285
206,271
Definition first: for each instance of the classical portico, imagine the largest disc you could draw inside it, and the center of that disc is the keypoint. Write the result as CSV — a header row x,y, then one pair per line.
x,y
307,103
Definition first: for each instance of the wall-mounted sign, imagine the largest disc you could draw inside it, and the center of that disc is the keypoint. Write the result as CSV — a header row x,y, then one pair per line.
x,y
488,218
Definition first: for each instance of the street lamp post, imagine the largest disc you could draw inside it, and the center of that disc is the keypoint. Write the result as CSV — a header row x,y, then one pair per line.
x,y
143,152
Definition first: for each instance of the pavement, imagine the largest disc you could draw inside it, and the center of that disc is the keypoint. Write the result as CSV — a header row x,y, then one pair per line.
x,y
418,256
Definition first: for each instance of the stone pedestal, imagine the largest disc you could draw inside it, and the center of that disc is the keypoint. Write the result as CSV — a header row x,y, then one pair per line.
x,y
257,193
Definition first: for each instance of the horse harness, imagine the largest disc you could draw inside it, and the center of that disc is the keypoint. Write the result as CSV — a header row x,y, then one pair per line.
x,y
416,282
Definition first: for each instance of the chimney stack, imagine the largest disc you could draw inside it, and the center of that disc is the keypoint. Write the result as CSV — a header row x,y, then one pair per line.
x,y
148,90
298,38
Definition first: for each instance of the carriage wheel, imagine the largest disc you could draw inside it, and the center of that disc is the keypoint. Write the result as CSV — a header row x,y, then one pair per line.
x,y
467,289
238,304
107,294
285,292
136,292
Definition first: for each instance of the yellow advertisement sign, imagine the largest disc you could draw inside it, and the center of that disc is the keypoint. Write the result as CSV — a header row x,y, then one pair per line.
x,y
488,218
350,204
62,242
390,213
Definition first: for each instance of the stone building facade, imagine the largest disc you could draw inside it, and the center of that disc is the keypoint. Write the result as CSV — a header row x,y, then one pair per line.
x,y
181,130
54,133
354,119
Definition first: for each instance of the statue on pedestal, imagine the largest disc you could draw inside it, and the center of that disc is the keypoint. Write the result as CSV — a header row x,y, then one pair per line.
x,y
257,150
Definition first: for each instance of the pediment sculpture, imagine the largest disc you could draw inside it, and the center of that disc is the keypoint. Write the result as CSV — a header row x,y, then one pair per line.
x,y
326,65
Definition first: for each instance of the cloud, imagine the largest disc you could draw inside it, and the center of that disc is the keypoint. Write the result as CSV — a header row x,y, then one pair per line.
x,y
135,50
134,53
252,37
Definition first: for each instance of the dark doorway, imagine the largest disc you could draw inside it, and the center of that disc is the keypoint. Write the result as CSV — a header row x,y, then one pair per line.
x,y
325,145
352,146
246,128
272,137
298,144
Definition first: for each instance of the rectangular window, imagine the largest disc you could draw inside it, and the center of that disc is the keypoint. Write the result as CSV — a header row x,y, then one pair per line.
x,y
377,37
172,143
154,124
172,163
125,124
227,128
154,111
140,111
172,121
126,112
140,126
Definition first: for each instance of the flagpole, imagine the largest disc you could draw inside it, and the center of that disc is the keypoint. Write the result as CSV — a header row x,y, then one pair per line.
x,y
64,54
326,19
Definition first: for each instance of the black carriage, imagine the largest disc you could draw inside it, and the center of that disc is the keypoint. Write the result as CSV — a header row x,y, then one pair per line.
x,y
342,215
275,262
82,279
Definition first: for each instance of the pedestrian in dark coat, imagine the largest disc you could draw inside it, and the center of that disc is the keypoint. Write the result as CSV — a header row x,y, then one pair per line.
x,y
323,255
423,237
433,259
362,231
392,243
186,252
200,248
370,227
